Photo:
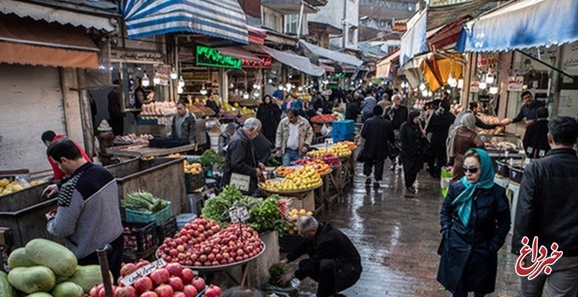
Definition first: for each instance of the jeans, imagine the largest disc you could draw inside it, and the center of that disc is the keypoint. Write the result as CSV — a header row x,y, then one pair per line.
x,y
290,156
562,282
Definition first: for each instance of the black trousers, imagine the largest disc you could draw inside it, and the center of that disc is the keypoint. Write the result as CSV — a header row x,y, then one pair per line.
x,y
117,124
409,177
368,164
114,257
331,275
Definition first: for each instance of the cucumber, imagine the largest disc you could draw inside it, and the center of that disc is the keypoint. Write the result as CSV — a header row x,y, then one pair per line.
x,y
18,258
32,279
52,255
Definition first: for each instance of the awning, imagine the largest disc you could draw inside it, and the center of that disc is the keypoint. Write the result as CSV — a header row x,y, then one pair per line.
x,y
333,55
413,41
25,41
294,61
522,24
238,52
384,66
257,35
55,13
218,18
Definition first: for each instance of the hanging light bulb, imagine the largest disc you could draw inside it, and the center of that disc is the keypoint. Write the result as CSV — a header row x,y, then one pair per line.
x,y
483,85
490,77
422,87
429,93
231,85
280,88
180,90
203,90
145,81
370,83
174,74
270,81
256,94
246,96
181,82
452,82
300,88
255,86
493,90
156,79
424,93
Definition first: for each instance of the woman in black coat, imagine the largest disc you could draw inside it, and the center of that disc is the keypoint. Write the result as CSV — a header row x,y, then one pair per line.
x,y
475,219
269,114
438,125
411,149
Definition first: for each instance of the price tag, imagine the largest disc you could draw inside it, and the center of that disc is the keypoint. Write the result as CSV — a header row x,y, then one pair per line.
x,y
143,271
328,142
241,181
239,215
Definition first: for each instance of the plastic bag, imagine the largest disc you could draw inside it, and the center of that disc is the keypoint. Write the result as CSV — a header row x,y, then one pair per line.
x,y
445,180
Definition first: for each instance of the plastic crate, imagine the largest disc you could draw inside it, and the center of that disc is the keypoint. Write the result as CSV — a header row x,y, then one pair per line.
x,y
160,217
341,137
138,238
194,182
343,127
167,229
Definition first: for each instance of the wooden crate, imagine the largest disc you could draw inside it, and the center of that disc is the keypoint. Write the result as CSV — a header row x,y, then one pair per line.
x,y
302,201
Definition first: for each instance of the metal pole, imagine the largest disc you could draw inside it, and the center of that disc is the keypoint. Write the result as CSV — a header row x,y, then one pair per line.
x,y
103,260
344,24
300,20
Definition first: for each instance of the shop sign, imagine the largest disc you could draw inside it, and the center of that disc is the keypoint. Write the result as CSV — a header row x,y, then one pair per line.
x,y
570,60
475,87
163,73
487,61
210,57
265,62
136,57
515,83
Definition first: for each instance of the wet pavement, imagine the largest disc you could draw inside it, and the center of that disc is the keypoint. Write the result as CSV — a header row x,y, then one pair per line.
x,y
398,236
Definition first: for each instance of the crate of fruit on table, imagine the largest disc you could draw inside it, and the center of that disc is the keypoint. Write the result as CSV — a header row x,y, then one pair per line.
x,y
139,240
339,149
303,179
194,177
323,118
328,159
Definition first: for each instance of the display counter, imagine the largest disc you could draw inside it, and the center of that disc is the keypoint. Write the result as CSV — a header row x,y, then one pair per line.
x,y
144,151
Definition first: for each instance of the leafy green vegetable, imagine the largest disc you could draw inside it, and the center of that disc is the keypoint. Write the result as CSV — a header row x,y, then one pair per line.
x,y
275,271
272,162
143,202
264,214
210,157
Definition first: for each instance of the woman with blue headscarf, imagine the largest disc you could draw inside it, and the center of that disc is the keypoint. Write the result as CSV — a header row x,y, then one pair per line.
x,y
475,219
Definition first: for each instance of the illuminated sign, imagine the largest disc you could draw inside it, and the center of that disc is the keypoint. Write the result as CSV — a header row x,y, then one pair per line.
x,y
210,57
265,62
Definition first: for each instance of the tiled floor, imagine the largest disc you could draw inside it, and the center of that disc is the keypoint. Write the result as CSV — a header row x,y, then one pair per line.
x,y
397,238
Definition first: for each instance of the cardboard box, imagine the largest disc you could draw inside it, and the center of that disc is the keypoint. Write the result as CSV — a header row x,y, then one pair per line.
x,y
304,201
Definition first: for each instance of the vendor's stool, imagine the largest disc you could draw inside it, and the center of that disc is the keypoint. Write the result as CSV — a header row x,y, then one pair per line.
x,y
512,192
195,202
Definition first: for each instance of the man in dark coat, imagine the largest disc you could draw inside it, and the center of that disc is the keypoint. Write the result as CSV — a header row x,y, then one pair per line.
x,y
536,137
377,132
547,209
183,126
241,157
333,261
411,136
397,115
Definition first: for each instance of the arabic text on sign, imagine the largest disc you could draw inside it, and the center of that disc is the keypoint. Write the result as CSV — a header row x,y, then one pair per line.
x,y
207,56
538,258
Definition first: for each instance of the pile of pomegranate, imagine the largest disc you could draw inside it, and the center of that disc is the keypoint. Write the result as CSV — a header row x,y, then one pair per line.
x,y
203,243
171,280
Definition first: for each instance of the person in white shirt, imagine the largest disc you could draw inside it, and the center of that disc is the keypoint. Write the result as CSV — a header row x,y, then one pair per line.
x,y
293,138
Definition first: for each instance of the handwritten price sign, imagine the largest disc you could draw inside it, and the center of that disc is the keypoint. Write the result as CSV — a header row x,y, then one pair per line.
x,y
143,271
534,259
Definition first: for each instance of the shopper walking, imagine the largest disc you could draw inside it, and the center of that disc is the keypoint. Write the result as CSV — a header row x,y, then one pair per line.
x,y
475,219
460,139
411,137
294,136
269,114
397,115
437,129
115,109
548,211
378,134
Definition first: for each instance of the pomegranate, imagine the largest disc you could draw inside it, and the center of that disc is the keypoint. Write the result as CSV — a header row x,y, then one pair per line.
x,y
198,283
213,291
149,294
143,284
160,276
125,292
164,291
187,276
179,294
176,283
190,291
127,269
94,291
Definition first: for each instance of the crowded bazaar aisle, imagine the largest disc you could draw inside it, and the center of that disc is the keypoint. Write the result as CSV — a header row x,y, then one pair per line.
x,y
398,237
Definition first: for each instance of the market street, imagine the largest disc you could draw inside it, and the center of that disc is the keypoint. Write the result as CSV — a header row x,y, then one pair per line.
x,y
398,237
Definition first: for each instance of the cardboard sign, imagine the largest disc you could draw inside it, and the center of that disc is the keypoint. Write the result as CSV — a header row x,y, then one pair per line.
x,y
328,142
515,83
241,181
143,271
239,214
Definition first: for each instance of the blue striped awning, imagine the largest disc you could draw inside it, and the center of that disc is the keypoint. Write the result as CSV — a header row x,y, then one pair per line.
x,y
522,24
217,18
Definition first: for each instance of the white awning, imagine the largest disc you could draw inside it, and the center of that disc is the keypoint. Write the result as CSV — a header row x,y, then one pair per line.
x,y
51,15
333,55
294,61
